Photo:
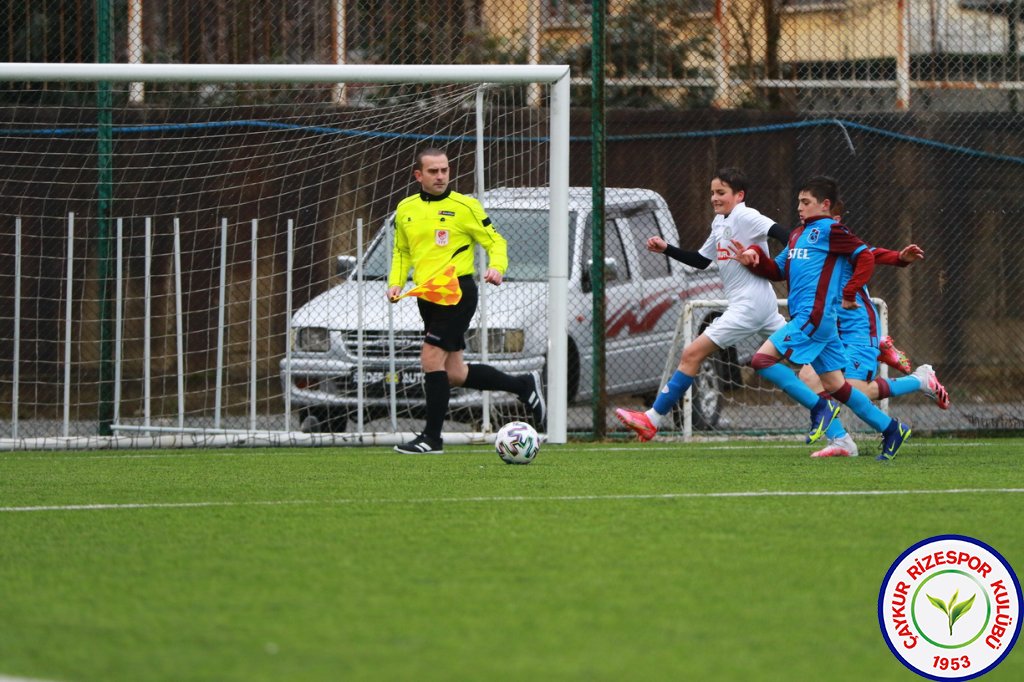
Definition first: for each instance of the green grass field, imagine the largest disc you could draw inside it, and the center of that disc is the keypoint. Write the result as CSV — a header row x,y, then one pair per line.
x,y
741,560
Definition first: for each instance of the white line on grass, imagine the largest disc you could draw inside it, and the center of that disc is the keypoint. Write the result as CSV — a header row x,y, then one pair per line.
x,y
660,446
509,498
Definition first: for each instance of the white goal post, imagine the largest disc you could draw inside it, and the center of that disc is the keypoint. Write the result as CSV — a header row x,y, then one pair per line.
x,y
42,95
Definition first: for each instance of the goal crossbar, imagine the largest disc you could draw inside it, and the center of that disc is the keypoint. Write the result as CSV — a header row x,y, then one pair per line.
x,y
284,73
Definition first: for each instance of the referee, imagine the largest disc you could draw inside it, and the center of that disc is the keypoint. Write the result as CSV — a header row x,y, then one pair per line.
x,y
433,228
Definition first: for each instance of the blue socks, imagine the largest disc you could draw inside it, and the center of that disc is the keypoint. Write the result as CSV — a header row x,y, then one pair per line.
x,y
866,410
672,392
788,381
904,385
835,429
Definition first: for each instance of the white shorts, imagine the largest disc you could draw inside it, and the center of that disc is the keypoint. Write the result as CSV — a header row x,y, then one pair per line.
x,y
734,326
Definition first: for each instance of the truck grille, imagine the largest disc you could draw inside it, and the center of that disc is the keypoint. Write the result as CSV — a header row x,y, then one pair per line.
x,y
376,345
373,389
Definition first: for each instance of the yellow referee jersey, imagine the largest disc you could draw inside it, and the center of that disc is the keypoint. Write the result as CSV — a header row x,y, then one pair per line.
x,y
433,231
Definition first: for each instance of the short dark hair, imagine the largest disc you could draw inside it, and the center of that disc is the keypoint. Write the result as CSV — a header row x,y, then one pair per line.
x,y
733,177
822,187
427,151
838,209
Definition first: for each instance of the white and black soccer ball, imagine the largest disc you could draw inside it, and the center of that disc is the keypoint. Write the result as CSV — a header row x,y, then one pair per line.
x,y
517,443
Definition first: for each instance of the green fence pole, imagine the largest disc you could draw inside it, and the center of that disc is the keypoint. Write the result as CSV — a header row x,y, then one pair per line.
x,y
104,195
597,179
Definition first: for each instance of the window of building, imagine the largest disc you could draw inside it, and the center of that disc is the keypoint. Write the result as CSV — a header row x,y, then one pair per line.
x,y
708,6
812,4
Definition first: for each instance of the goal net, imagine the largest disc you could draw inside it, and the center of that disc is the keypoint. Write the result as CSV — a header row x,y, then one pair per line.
x,y
197,254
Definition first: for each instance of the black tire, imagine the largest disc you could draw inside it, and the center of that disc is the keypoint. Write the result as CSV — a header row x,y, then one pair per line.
x,y
573,381
707,393
323,419
572,385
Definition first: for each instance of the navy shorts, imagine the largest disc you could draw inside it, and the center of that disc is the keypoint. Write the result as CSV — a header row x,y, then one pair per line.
x,y
445,326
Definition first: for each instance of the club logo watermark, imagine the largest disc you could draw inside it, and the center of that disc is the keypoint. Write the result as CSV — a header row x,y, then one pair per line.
x,y
949,608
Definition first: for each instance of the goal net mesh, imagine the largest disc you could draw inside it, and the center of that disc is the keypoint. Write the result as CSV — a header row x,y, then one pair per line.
x,y
216,214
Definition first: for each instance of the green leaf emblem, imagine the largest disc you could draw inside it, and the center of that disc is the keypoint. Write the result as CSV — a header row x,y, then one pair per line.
x,y
954,611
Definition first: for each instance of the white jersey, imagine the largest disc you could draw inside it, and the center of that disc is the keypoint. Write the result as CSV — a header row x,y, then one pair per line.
x,y
744,289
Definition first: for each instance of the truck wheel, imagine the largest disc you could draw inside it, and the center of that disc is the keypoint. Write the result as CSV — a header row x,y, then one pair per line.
x,y
572,372
707,393
322,419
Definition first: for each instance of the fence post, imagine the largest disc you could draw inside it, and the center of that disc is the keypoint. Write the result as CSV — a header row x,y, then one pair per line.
x,y
104,196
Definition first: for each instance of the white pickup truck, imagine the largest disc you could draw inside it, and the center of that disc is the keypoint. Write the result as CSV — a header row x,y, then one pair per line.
x,y
644,293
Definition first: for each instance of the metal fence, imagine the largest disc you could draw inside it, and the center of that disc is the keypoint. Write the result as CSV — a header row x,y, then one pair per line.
x,y
915,106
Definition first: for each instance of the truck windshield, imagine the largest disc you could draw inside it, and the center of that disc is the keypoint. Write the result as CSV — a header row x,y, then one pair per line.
x,y
525,230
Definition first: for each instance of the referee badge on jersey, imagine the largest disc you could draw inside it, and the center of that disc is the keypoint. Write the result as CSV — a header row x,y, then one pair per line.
x,y
441,237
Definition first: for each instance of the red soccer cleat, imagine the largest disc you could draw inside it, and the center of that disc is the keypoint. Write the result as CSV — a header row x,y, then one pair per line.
x,y
638,422
893,356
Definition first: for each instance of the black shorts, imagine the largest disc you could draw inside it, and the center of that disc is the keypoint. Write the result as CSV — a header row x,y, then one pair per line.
x,y
445,326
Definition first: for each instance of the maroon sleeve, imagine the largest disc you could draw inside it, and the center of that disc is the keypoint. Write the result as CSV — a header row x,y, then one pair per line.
x,y
842,241
888,257
863,267
766,267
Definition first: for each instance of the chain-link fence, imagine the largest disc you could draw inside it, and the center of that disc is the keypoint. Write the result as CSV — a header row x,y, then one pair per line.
x,y
914,106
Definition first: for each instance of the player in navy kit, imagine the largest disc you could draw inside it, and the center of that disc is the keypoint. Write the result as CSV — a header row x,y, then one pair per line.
x,y
813,264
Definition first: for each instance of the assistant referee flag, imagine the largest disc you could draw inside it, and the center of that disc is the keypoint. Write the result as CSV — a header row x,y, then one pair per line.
x,y
442,289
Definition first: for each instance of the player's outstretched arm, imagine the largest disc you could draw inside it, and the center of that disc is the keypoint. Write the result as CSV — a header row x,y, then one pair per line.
x,y
656,244
691,258
757,261
911,253
902,258
779,234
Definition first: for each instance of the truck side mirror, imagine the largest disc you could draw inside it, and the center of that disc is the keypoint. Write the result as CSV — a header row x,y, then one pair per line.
x,y
345,266
611,272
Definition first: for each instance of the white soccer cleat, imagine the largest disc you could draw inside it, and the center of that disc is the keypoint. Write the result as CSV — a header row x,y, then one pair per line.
x,y
931,387
838,447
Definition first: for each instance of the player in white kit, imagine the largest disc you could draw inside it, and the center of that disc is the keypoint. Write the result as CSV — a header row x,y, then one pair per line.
x,y
752,310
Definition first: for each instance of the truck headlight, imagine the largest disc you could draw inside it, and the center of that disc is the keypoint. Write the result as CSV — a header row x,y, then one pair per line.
x,y
499,340
312,339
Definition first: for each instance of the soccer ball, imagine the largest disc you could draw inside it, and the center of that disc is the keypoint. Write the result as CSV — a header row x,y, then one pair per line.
x,y
517,443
